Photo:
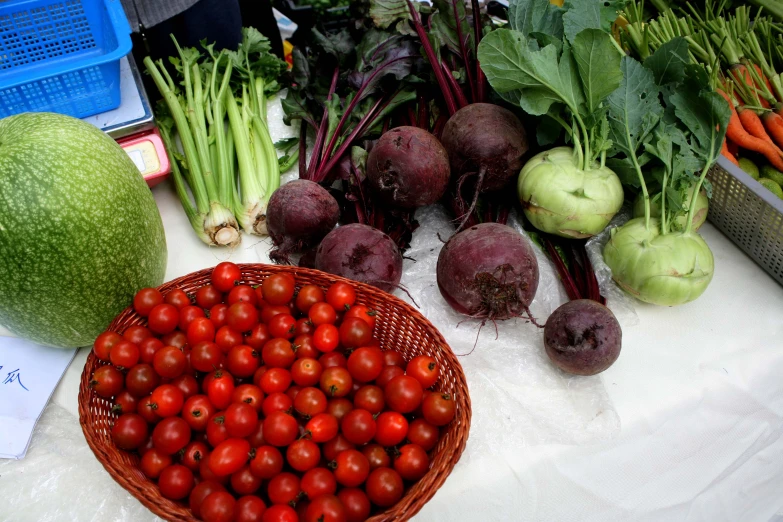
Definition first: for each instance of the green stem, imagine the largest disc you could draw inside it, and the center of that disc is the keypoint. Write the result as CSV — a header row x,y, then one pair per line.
x,y
664,218
198,126
697,189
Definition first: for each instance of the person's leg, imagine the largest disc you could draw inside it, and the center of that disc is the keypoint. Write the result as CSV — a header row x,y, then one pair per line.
x,y
218,21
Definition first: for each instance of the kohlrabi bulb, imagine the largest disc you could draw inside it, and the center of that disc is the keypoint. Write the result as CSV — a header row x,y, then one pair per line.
x,y
560,198
699,216
666,270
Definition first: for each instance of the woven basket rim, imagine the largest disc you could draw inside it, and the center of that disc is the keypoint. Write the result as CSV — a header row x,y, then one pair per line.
x,y
146,491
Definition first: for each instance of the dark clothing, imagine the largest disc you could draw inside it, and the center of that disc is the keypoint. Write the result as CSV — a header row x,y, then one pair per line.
x,y
149,13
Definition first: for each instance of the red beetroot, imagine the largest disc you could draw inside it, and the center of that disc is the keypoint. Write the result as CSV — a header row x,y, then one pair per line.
x,y
408,168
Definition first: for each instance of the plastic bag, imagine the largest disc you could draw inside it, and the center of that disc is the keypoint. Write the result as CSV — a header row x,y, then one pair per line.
x,y
60,478
518,397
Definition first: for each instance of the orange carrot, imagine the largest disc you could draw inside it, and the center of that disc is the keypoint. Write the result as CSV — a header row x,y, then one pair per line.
x,y
741,73
732,147
773,122
740,136
724,150
752,123
761,75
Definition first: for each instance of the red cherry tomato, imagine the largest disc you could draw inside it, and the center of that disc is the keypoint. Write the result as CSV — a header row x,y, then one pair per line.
x,y
369,398
331,359
208,296
145,300
338,407
384,487
283,326
278,353
362,312
341,296
258,336
103,344
125,402
280,429
357,505
365,364
206,356
284,488
200,330
387,374
392,428
276,402
218,507
336,382
308,295
187,314
242,361
167,400
145,410
322,427
225,275
394,358
200,492
424,369
269,311
322,313
248,394
218,314
280,513
242,293
310,402
107,381
176,482
278,289
275,380
153,462
326,337
169,362
136,334
351,468
325,508
376,456
193,454
197,411
249,508
438,409
240,420
129,431
220,389
303,326
177,298
163,319
318,481
305,349
243,482
147,349
216,429
412,463
358,426
171,435
226,338
403,394
303,455
423,433
229,456
334,447
267,462
124,354
306,372
176,339
354,333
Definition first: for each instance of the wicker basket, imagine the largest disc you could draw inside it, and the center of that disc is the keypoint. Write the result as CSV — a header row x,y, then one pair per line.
x,y
399,326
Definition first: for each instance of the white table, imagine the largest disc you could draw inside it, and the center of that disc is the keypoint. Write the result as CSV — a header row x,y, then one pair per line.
x,y
697,389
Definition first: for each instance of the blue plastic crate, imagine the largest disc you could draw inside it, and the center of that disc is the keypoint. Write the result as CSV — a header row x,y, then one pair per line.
x,y
61,56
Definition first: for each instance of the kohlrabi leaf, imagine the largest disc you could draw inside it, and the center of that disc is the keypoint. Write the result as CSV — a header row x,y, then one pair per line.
x,y
590,14
548,131
668,62
544,39
536,16
386,12
541,77
634,108
599,66
703,112
660,146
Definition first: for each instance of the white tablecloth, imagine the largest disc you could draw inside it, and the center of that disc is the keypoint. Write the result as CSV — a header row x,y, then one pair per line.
x,y
698,390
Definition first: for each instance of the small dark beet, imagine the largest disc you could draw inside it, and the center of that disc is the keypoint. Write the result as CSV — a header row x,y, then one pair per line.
x,y
583,337
488,271
361,253
408,168
485,137
300,214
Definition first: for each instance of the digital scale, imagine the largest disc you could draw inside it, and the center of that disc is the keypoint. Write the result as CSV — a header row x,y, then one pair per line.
x,y
132,125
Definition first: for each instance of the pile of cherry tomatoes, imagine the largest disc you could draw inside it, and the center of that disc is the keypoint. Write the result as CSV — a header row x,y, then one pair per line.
x,y
269,404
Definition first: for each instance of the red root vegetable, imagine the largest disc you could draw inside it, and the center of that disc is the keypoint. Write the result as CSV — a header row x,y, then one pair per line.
x,y
583,337
361,253
408,168
486,141
488,271
300,214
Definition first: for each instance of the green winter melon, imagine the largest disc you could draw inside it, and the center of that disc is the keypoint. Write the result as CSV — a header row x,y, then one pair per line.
x,y
79,230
